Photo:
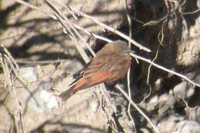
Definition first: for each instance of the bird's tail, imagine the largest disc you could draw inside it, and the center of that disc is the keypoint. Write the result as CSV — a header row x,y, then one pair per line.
x,y
76,86
67,94
83,83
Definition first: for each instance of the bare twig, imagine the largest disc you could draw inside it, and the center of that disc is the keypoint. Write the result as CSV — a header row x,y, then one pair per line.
x,y
72,27
137,108
112,30
67,7
192,12
92,34
160,40
68,29
7,65
128,73
165,69
54,17
36,8
20,61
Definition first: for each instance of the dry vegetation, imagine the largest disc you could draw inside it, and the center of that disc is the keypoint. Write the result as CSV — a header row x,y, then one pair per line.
x,y
44,42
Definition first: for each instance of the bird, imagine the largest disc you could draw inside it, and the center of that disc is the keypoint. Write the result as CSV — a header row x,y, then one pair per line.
x,y
109,65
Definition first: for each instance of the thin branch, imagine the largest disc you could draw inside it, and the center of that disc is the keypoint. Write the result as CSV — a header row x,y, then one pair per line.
x,y
67,7
35,8
74,29
128,73
68,29
8,67
165,69
92,34
54,17
192,12
112,30
137,108
30,62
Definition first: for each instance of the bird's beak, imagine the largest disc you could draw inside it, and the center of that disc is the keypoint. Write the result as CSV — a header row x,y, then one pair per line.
x,y
132,52
127,51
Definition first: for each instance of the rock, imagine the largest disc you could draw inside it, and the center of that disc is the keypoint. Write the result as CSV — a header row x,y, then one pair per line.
x,y
28,73
187,127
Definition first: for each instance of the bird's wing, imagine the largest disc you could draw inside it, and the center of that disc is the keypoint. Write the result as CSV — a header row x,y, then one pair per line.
x,y
80,73
92,67
94,73
91,80
98,64
84,82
